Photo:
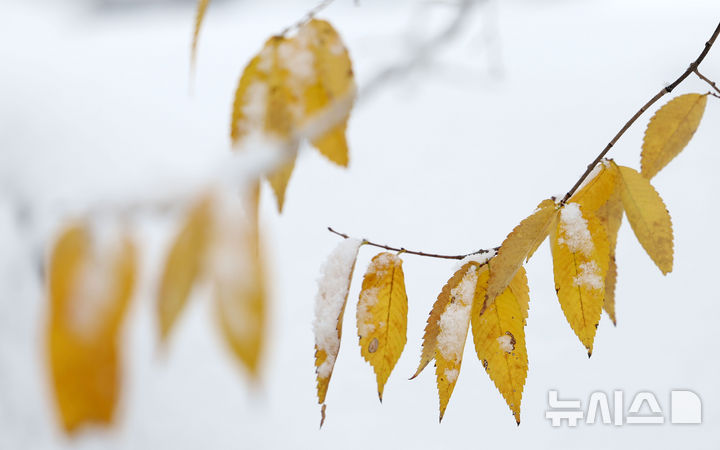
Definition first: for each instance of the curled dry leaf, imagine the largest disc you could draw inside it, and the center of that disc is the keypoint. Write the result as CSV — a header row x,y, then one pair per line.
x,y
201,9
382,316
670,130
499,336
580,254
90,286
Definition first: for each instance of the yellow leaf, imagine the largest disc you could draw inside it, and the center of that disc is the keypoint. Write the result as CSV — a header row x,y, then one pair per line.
x,y
499,336
610,215
89,289
382,316
518,247
265,102
432,328
597,190
648,216
279,180
333,288
670,130
183,265
334,80
199,16
580,254
239,280
452,328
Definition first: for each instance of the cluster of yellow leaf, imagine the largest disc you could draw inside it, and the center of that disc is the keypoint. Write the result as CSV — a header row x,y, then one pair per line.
x,y
489,293
297,87
220,241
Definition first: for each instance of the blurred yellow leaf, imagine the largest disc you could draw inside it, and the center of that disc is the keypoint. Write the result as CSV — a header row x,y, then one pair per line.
x,y
648,216
266,103
239,279
382,316
184,265
670,130
333,81
89,289
580,255
499,336
518,247
199,16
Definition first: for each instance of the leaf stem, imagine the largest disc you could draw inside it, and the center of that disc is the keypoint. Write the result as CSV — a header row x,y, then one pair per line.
x,y
707,80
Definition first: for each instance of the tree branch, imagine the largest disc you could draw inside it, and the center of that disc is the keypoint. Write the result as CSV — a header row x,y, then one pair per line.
x,y
413,252
692,68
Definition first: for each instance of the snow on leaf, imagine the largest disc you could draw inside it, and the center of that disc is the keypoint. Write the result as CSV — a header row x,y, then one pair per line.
x,y
90,287
183,265
453,325
518,247
610,215
238,277
499,337
670,130
432,329
265,103
382,316
333,287
580,255
648,216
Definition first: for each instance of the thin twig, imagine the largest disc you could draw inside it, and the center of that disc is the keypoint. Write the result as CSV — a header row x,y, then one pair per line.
x,y
707,80
413,252
693,67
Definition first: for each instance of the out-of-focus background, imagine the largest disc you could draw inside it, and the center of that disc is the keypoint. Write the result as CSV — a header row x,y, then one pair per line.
x,y
96,106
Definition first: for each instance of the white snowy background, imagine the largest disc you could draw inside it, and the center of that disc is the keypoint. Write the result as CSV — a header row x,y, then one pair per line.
x,y
95,106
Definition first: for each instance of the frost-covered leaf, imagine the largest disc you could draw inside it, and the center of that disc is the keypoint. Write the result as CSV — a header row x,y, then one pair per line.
x,y
597,189
518,247
580,254
330,301
499,336
90,286
199,16
266,104
670,130
648,216
610,215
382,316
452,328
183,265
432,327
239,278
